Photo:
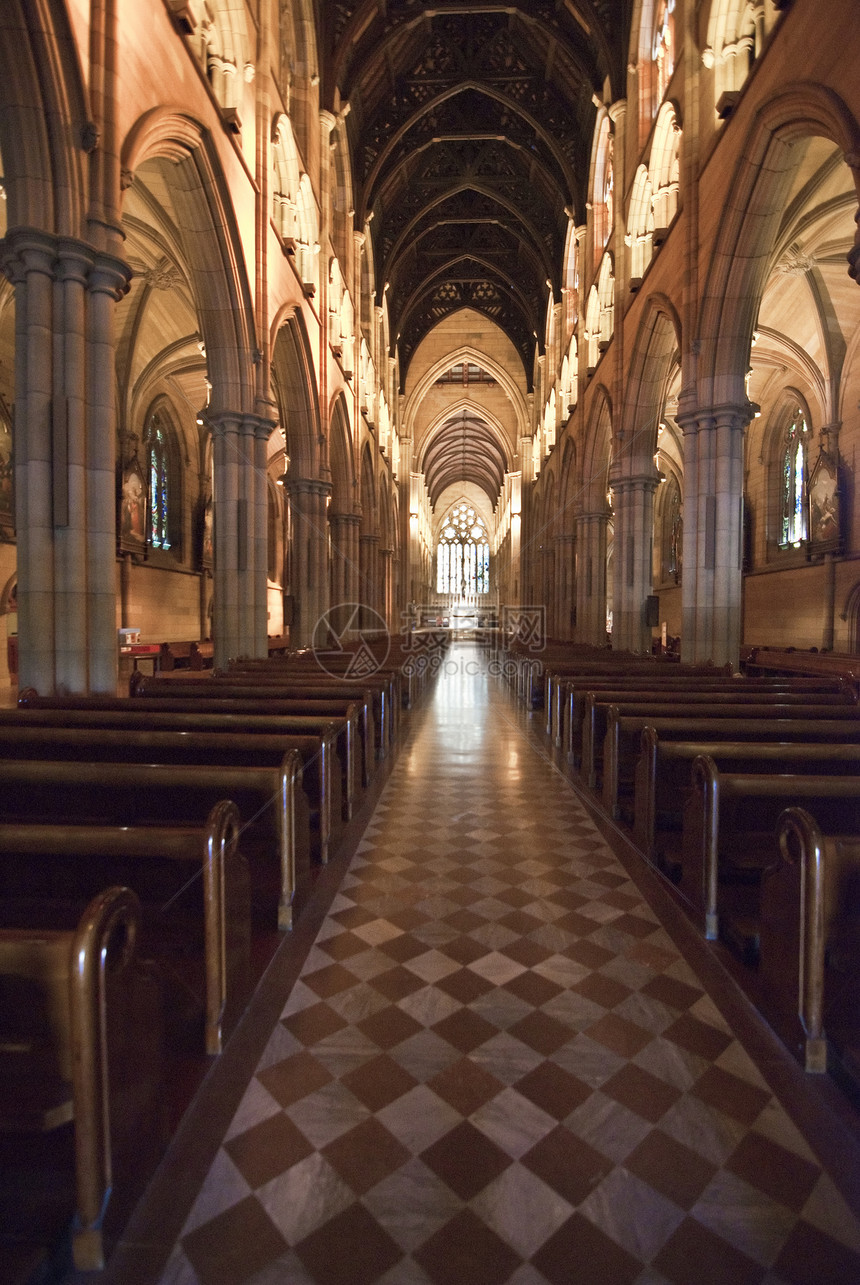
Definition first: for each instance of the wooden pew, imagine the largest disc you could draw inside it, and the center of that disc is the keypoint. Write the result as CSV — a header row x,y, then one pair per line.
x,y
190,716
210,686
125,793
571,695
790,660
810,939
564,683
728,837
178,742
354,732
41,861
79,994
596,724
662,776
291,673
195,654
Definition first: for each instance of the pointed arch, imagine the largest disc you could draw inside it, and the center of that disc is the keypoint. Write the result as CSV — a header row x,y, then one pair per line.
x,y
42,116
343,480
211,243
741,259
655,348
294,386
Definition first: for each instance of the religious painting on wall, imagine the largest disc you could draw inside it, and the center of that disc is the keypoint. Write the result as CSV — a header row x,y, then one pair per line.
x,y
132,502
824,508
207,539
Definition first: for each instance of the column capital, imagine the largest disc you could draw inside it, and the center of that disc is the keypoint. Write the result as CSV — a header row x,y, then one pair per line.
x,y
307,486
26,250
703,419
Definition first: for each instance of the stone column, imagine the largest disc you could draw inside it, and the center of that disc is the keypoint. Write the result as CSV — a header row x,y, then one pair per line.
x,y
369,572
565,553
712,585
344,567
65,460
107,283
591,543
386,568
309,556
28,261
633,561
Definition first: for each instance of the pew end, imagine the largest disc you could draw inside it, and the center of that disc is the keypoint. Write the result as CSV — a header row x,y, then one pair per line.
x,y
810,939
88,1044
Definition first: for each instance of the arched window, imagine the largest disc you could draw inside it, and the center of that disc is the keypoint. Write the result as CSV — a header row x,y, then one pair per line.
x,y
794,479
463,553
664,45
156,444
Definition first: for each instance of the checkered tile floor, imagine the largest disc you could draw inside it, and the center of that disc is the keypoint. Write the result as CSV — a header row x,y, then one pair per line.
x,y
495,1066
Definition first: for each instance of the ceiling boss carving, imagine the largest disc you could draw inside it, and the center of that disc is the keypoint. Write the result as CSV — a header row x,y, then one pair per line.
x,y
471,125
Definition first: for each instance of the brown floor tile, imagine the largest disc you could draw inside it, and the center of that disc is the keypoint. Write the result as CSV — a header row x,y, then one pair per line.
x,y
465,950
635,925
567,1164
294,1078
466,1252
350,1249
533,988
694,1253
736,1098
465,1085
396,983
403,947
811,1257
786,1177
553,1089
698,1037
588,952
465,985
619,1035
670,1168
581,927
330,980
466,1159
229,1249
365,1155
526,952
310,1025
390,1026
605,991
268,1149
378,1082
581,1254
669,991
641,1092
343,945
465,1030
542,1033
353,916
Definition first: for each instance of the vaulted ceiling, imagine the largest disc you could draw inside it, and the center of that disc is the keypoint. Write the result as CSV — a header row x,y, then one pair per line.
x,y
470,127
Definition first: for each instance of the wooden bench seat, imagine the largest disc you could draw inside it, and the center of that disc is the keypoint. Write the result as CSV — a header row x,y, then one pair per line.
x,y
571,694
189,716
288,674
810,940
107,792
600,727
179,738
196,654
62,863
79,1014
728,838
211,686
351,720
662,774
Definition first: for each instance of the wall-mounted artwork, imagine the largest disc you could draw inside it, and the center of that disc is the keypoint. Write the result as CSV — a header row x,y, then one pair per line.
x,y
132,503
824,508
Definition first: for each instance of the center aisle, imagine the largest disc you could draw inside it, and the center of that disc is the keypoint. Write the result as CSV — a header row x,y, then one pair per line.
x,y
494,1065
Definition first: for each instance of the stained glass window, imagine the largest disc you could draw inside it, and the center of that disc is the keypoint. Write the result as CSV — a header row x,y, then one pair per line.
x,y
794,467
463,553
158,532
664,45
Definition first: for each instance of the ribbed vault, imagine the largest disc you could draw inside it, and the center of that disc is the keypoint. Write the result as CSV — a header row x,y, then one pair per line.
x,y
464,449
471,128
